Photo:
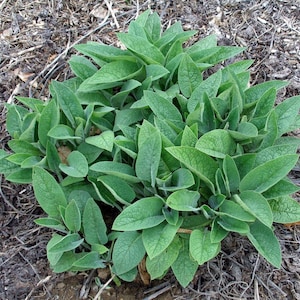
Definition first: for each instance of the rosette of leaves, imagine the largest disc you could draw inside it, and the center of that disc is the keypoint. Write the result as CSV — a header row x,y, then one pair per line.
x,y
181,158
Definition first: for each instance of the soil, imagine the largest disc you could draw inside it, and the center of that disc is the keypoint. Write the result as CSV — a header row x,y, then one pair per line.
x,y
36,39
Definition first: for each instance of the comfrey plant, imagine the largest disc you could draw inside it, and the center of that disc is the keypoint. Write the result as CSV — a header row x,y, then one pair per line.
x,y
142,155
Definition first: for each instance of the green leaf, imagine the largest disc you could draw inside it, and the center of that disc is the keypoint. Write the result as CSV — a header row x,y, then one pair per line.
x,y
73,217
189,76
231,174
66,243
53,159
201,247
128,251
141,48
67,101
244,131
49,118
208,86
144,213
110,74
255,92
265,103
48,192
153,27
62,132
89,261
118,169
189,138
285,210
119,188
158,265
198,162
156,72
281,188
266,175
232,224
184,267
93,224
101,53
82,67
50,223
181,179
149,152
236,211
77,165
216,143
162,107
183,200
286,112
103,141
19,146
218,233
20,176
273,152
256,205
265,242
14,119
158,238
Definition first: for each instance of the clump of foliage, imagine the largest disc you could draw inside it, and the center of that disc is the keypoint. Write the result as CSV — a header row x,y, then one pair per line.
x,y
143,155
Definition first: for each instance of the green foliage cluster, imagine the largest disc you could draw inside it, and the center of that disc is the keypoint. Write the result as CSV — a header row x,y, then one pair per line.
x,y
142,155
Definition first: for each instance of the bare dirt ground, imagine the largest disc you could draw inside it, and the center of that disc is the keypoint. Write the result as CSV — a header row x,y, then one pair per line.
x,y
36,39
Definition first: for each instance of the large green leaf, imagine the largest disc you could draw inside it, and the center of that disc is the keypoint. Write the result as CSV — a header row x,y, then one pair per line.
x,y
67,101
189,76
142,48
184,267
93,224
128,251
162,262
149,152
201,247
183,200
198,162
118,169
216,143
77,165
158,238
257,205
266,175
265,242
145,213
73,217
285,210
48,192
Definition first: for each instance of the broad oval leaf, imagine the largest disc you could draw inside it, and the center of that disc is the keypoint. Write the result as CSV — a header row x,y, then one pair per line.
x,y
103,141
183,200
265,242
198,162
217,143
158,238
73,217
93,224
66,243
257,205
128,251
285,210
77,165
118,169
144,213
266,175
201,247
48,192
184,267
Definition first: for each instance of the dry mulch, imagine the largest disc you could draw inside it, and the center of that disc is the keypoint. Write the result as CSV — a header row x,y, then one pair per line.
x,y
36,39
